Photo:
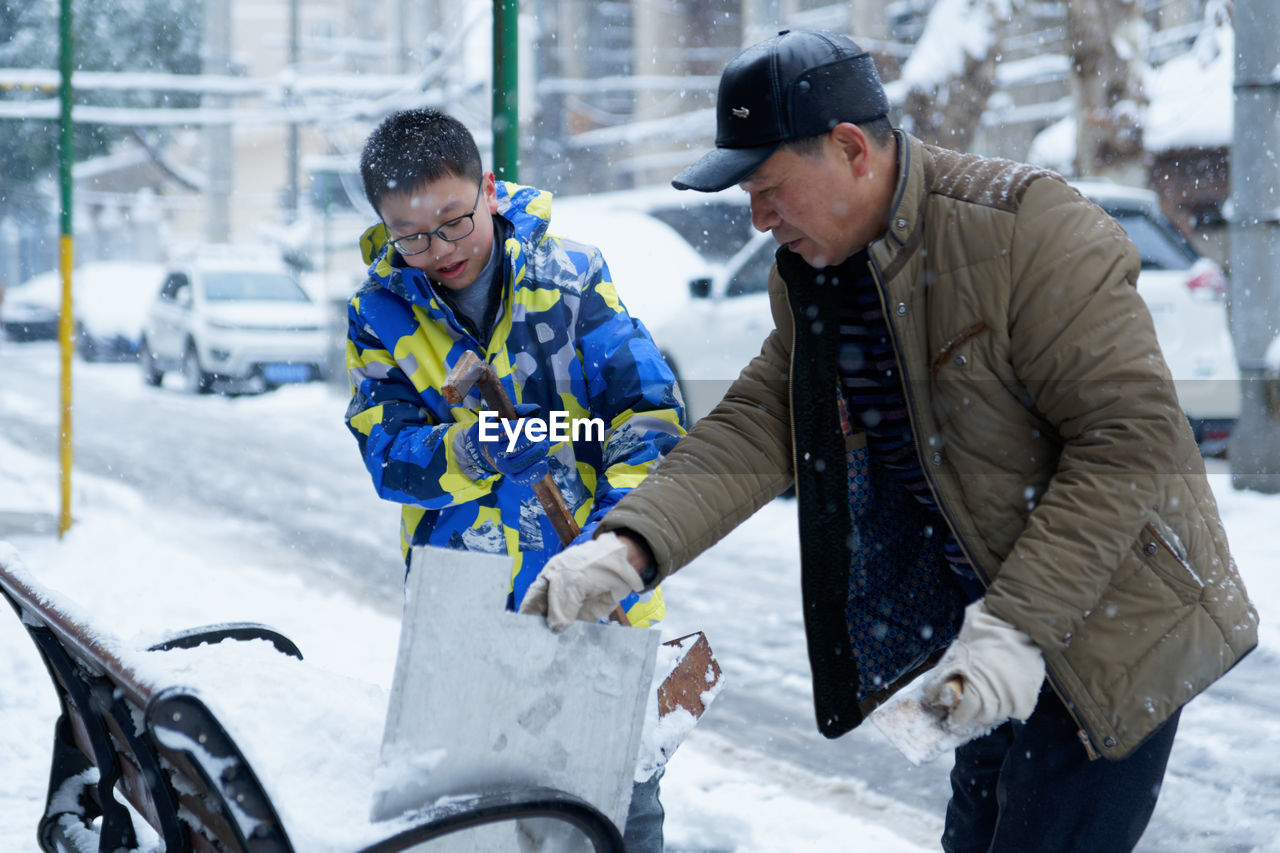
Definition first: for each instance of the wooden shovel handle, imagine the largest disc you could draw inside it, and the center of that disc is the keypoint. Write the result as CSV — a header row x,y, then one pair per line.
x,y
697,671
548,493
951,690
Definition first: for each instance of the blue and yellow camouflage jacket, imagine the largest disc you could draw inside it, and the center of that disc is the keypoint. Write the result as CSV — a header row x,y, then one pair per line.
x,y
562,340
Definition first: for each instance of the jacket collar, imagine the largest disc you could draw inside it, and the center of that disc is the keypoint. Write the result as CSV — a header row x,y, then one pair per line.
x,y
905,212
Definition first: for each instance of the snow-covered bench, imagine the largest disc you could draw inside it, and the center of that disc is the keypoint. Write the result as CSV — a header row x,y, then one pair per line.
x,y
144,764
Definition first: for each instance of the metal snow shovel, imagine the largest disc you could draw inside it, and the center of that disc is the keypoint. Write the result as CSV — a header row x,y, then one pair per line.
x,y
695,672
483,698
915,726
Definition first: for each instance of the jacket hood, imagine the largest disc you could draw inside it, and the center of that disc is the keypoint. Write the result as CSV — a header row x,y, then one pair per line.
x,y
526,209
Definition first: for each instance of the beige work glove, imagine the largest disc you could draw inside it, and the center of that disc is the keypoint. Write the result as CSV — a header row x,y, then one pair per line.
x,y
992,672
582,582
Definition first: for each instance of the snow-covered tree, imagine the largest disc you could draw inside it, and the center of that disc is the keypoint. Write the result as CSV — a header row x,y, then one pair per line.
x,y
121,35
1106,41
945,84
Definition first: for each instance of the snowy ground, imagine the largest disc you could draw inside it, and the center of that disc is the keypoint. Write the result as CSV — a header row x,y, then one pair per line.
x,y
198,510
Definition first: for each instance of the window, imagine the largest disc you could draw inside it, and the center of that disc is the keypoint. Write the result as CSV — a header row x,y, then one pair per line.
x,y
1161,247
252,286
173,285
716,229
753,275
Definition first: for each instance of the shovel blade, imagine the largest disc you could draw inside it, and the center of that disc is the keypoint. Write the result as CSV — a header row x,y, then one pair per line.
x,y
692,684
914,726
485,699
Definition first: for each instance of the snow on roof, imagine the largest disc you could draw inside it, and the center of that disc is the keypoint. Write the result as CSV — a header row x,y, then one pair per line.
x,y
1191,98
1190,104
1047,67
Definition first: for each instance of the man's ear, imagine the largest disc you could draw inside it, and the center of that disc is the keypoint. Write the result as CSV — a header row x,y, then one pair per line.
x,y
854,146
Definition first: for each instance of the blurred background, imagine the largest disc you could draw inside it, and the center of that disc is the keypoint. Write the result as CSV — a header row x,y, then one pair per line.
x,y
216,210
226,120
240,122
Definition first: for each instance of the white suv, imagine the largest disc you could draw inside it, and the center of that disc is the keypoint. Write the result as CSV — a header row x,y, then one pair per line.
x,y
722,327
235,320
1187,297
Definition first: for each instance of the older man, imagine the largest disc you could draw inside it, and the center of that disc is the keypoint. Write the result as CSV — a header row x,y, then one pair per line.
x,y
995,482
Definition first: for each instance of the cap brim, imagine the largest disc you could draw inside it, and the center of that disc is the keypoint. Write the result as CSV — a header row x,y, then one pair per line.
x,y
721,168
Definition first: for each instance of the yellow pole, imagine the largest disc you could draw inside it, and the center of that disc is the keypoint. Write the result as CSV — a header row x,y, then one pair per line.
x,y
66,255
66,328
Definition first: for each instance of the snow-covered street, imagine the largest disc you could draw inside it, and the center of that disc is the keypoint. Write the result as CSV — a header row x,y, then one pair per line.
x,y
193,510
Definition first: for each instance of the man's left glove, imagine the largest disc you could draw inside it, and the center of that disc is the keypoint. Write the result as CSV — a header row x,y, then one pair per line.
x,y
582,582
998,672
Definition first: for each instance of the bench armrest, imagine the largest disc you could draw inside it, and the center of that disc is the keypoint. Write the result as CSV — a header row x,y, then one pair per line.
x,y
466,812
240,631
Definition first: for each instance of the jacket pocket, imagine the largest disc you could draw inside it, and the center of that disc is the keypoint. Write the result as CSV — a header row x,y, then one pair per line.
x,y
951,347
1162,554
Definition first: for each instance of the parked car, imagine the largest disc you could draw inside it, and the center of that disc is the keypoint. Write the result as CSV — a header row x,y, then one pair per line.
x,y
1187,297
716,224
654,268
109,301
110,304
231,318
726,322
30,310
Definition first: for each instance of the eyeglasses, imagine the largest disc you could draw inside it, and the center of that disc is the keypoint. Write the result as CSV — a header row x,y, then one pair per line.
x,y
451,232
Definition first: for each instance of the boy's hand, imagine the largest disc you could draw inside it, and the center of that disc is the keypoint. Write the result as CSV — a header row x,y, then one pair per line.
x,y
522,460
583,582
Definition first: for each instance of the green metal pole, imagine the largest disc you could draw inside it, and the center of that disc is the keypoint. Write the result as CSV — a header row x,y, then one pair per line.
x,y
506,111
66,256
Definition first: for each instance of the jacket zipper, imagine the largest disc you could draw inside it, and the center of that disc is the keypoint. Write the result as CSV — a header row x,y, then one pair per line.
x,y
791,397
1081,732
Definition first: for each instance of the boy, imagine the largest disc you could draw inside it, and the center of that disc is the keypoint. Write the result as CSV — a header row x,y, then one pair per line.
x,y
461,262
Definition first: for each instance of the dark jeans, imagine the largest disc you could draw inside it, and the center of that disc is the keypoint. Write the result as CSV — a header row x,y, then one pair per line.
x,y
643,832
1031,787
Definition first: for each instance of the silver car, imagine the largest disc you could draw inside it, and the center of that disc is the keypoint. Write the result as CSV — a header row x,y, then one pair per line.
x,y
233,322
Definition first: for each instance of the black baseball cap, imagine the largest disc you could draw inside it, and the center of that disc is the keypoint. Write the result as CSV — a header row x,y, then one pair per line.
x,y
792,86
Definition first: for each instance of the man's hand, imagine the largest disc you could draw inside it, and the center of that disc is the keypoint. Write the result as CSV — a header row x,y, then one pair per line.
x,y
992,672
583,582
522,460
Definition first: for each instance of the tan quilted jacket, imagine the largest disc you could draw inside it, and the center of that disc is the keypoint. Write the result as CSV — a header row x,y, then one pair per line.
x,y
1046,422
